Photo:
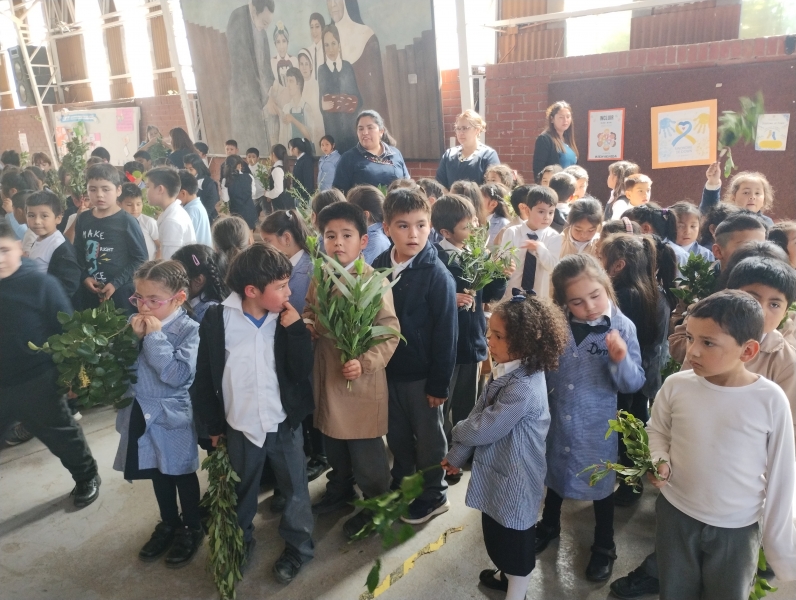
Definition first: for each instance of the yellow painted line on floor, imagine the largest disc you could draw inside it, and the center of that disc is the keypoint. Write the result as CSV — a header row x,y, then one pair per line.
x,y
409,564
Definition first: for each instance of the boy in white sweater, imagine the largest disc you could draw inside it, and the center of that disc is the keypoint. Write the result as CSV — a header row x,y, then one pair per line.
x,y
175,228
726,435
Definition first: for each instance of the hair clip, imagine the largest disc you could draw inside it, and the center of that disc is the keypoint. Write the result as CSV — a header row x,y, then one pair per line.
x,y
628,224
289,215
518,295
195,260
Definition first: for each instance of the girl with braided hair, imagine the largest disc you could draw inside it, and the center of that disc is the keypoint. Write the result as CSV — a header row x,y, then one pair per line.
x,y
158,438
206,285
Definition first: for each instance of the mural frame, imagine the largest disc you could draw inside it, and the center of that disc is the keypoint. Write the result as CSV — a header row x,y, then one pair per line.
x,y
658,124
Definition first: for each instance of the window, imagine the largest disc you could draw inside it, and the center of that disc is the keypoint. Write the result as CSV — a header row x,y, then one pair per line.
x,y
761,18
596,34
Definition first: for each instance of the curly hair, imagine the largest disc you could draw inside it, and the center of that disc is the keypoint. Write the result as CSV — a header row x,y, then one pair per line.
x,y
537,331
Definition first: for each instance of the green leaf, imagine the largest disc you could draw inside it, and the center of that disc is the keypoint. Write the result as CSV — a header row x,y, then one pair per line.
x,y
373,576
64,318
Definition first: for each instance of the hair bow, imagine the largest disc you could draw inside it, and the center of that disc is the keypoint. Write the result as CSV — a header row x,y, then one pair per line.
x,y
518,295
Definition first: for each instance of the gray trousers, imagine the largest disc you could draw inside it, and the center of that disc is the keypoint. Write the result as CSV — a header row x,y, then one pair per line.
x,y
464,393
416,437
285,451
703,562
362,461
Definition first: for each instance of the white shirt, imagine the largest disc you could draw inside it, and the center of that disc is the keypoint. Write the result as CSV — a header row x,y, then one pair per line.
x,y
224,194
446,245
296,258
399,266
335,64
619,208
28,240
730,450
175,230
42,250
200,221
547,256
278,179
579,246
149,227
252,401
504,369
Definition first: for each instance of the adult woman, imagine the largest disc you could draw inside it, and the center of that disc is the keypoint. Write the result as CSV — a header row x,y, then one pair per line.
x,y
208,189
182,145
374,160
470,159
153,135
556,144
237,188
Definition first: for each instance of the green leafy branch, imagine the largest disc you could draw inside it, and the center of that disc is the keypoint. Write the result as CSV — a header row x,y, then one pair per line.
x,y
670,368
74,161
347,305
24,158
263,173
94,355
761,585
301,197
227,550
481,265
735,127
158,150
697,280
636,443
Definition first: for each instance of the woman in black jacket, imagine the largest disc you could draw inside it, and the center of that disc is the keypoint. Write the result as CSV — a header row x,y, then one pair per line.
x,y
237,188
208,188
556,144
304,169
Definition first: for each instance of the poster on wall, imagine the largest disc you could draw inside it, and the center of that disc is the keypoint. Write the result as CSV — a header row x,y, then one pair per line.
x,y
606,134
684,134
273,70
772,132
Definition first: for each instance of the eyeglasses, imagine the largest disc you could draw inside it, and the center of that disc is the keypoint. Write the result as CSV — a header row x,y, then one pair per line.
x,y
462,128
137,301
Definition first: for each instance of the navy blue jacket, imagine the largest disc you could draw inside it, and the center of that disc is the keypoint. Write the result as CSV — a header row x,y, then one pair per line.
x,y
471,347
425,303
355,169
304,172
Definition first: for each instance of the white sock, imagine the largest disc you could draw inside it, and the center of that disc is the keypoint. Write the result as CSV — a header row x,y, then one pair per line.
x,y
518,586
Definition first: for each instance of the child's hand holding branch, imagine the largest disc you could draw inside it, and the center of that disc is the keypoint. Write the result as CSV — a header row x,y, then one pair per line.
x,y
664,471
449,468
714,174
352,370
617,348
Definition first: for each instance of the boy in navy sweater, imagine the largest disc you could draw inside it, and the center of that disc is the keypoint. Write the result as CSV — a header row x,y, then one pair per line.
x,y
419,373
453,217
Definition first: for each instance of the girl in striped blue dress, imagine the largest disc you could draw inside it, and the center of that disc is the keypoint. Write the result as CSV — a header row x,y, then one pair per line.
x,y
505,435
158,438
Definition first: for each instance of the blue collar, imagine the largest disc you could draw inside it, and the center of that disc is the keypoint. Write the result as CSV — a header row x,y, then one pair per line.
x,y
257,322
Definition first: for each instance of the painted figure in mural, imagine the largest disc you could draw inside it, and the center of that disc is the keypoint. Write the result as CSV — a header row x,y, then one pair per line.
x,y
278,95
311,93
361,48
317,23
298,118
340,98
251,74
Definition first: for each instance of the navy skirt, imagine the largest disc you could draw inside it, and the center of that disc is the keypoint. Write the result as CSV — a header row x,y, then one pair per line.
x,y
512,550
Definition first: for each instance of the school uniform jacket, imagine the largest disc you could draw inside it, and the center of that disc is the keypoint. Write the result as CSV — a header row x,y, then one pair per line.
x,y
293,357
568,246
63,266
582,395
360,412
505,433
304,172
165,370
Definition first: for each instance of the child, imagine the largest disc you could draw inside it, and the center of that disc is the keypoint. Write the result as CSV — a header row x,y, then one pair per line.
x,y
132,202
206,285
143,157
30,301
231,148
158,438
736,229
256,331
231,236
783,234
432,188
134,172
298,118
202,149
583,226
688,217
453,217
304,168
724,429
494,196
538,245
208,188
506,432
17,218
51,252
370,199
258,193
581,180
419,373
544,176
711,220
563,184
175,228
277,196
747,190
618,172
327,164
658,221
601,359
471,191
323,199
109,243
504,175
237,188
192,205
353,421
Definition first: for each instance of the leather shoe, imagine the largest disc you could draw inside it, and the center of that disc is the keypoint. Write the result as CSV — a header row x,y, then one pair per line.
x,y
159,543
287,566
248,551
332,502
278,502
545,535
355,524
85,492
187,542
316,467
601,564
636,584
487,578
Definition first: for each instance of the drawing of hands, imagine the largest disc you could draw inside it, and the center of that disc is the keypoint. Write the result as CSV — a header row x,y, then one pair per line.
x,y
666,127
702,122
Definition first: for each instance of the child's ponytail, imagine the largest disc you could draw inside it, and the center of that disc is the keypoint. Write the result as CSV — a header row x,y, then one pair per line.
x,y
287,221
667,267
662,221
200,260
621,170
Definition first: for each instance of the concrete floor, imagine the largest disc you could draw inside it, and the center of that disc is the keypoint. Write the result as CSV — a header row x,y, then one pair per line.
x,y
50,551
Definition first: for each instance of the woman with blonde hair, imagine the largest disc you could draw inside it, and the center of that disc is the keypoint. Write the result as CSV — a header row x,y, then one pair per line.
x,y
470,159
556,144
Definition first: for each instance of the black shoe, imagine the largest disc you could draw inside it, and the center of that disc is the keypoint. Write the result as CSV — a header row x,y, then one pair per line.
x,y
187,542
18,435
454,479
487,578
85,492
316,467
332,502
626,495
287,566
421,510
601,563
636,584
355,524
545,535
248,551
278,502
159,543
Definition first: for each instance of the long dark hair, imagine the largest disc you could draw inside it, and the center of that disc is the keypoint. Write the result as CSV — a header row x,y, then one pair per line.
x,y
498,193
231,169
569,134
281,221
379,120
180,140
202,172
199,259
280,152
370,199
302,144
662,220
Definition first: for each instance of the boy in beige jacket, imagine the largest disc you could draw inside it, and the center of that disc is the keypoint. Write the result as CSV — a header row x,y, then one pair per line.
x,y
354,420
